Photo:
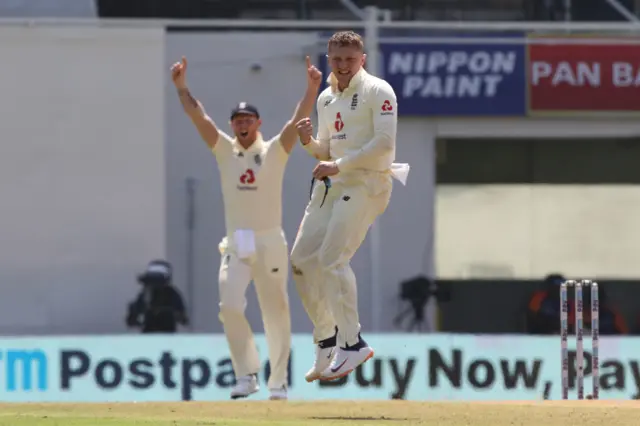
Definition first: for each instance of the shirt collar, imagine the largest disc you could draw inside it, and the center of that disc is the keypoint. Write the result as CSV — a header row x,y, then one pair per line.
x,y
255,147
355,81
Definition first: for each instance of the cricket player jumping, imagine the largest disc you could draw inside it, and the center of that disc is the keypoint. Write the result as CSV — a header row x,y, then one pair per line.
x,y
357,118
255,248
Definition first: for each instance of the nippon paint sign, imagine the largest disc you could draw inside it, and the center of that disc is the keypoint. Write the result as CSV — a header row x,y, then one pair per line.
x,y
457,79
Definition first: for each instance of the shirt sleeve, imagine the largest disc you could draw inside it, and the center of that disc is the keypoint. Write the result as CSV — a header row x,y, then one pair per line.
x,y
384,116
320,148
276,149
223,149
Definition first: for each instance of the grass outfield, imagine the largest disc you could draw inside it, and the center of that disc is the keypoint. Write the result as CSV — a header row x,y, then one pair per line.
x,y
377,413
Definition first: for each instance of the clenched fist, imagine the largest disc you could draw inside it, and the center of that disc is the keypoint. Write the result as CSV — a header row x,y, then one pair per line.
x,y
179,73
305,130
314,76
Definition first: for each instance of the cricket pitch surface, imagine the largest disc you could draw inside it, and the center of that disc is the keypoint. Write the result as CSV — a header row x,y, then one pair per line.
x,y
373,413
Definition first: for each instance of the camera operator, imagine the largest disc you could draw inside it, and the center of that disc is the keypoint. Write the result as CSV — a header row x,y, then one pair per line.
x,y
159,307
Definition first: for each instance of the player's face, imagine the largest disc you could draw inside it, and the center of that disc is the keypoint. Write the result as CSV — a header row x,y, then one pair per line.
x,y
245,127
345,62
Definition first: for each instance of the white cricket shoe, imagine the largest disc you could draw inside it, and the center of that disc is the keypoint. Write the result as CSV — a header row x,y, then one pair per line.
x,y
324,356
245,386
346,360
278,394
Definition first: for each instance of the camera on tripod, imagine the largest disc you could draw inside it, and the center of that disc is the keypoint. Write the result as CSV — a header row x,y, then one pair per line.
x,y
417,292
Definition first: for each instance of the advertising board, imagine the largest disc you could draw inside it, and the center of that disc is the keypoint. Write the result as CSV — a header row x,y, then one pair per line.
x,y
511,76
584,77
435,367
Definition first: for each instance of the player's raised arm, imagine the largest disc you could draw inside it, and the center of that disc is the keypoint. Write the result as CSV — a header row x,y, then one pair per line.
x,y
192,107
288,136
385,121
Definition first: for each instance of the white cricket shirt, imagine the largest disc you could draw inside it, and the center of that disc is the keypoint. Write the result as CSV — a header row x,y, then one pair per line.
x,y
251,182
359,123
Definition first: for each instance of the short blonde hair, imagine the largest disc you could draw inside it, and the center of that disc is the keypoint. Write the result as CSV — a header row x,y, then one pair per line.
x,y
346,39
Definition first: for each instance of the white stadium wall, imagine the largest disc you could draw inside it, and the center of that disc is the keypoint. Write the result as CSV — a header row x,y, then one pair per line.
x,y
81,174
529,231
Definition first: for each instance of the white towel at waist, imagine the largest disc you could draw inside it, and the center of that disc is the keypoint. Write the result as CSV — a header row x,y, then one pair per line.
x,y
400,171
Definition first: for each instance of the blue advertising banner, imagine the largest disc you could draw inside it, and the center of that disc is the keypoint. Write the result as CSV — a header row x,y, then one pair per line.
x,y
462,77
457,79
436,367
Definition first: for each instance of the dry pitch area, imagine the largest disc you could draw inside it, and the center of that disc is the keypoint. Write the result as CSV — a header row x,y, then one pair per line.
x,y
377,413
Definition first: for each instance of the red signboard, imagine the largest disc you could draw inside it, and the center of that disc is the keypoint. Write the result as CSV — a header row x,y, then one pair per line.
x,y
584,77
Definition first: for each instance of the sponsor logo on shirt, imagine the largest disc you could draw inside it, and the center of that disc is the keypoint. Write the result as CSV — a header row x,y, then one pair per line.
x,y
339,124
387,108
247,179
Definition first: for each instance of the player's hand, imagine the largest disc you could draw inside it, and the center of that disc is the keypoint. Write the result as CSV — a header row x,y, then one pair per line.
x,y
324,169
305,130
179,73
314,76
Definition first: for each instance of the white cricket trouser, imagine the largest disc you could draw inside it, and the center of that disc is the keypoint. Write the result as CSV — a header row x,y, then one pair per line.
x,y
269,271
327,239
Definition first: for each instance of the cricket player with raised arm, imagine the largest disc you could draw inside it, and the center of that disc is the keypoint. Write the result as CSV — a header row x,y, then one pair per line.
x,y
357,118
255,248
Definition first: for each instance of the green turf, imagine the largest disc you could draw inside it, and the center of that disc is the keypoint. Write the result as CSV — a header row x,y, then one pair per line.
x,y
379,413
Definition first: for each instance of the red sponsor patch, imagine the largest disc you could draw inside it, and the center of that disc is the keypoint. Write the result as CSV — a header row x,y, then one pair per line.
x,y
248,177
339,123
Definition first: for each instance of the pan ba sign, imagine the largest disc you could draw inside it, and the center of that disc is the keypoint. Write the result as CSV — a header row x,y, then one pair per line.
x,y
585,77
